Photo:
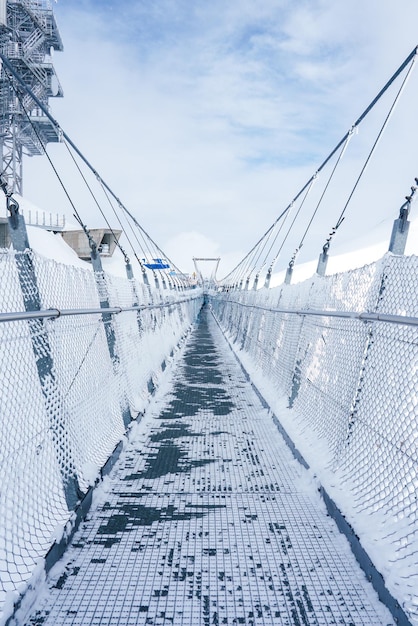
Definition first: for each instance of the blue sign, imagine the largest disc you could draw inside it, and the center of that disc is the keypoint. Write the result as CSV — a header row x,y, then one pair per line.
x,y
157,264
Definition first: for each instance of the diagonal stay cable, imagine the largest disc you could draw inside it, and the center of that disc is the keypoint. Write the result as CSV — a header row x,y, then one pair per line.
x,y
106,193
61,132
41,142
340,156
145,253
255,246
295,217
378,138
97,202
410,58
273,243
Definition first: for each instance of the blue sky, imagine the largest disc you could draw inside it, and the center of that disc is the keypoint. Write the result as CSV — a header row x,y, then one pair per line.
x,y
207,117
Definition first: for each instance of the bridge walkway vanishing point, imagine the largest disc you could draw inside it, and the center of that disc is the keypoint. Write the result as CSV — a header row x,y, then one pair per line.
x,y
207,519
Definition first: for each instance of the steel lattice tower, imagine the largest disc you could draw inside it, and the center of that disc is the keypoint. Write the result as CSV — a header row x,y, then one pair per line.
x,y
28,35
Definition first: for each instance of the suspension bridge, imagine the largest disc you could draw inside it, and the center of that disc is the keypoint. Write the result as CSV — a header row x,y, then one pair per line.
x,y
196,451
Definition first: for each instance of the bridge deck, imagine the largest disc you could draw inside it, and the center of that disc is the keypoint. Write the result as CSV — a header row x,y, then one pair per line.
x,y
208,519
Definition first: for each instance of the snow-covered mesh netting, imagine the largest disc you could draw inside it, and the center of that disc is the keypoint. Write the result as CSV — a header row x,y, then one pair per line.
x,y
351,387
66,397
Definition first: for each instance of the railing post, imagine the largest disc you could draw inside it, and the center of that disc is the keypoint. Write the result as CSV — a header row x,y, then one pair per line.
x,y
268,278
145,277
54,404
128,268
157,284
401,225
135,299
322,263
106,317
289,274
104,300
289,271
323,257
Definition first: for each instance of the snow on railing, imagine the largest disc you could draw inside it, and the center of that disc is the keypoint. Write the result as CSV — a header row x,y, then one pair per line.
x,y
59,424
344,386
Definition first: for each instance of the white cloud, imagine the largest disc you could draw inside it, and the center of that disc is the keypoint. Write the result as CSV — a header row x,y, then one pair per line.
x,y
208,119
191,244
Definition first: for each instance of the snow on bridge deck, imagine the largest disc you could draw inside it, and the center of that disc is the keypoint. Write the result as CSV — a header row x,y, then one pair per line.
x,y
208,519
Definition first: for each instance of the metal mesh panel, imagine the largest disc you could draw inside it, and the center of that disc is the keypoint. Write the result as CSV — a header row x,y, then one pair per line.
x,y
91,394
27,453
63,286
357,290
326,376
383,438
131,330
89,389
330,351
27,458
10,297
288,333
65,391
352,386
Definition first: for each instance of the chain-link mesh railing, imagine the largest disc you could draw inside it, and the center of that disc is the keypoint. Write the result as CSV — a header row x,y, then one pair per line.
x,y
352,394
65,395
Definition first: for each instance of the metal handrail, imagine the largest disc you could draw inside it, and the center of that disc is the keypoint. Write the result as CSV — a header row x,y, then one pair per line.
x,y
364,316
54,313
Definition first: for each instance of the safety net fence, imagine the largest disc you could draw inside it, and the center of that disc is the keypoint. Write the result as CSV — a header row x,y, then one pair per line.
x,y
71,383
336,357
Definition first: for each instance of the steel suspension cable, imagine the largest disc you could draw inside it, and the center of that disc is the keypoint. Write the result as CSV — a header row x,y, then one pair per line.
x,y
254,247
98,204
340,156
126,234
61,132
100,181
76,213
274,240
404,64
41,142
273,243
274,260
367,161
249,267
266,240
245,270
295,217
145,250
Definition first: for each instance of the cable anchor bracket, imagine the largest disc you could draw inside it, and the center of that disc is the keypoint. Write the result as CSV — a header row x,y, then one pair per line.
x,y
406,207
11,203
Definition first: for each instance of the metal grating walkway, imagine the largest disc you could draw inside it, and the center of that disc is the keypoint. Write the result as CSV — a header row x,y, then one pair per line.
x,y
208,519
